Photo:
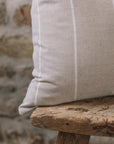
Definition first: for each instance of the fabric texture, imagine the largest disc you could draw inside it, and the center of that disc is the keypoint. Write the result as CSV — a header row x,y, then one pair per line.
x,y
73,52
113,2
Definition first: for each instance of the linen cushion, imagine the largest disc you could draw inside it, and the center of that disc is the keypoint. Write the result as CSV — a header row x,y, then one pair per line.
x,y
73,52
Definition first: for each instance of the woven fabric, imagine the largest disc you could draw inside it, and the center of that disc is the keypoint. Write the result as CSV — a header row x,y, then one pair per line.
x,y
73,52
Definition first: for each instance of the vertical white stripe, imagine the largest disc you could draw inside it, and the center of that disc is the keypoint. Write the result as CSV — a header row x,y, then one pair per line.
x,y
113,2
39,40
75,46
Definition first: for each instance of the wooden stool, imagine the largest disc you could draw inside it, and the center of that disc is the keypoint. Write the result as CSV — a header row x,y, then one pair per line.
x,y
77,121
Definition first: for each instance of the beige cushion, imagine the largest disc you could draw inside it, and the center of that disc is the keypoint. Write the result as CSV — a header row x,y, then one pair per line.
x,y
113,2
73,51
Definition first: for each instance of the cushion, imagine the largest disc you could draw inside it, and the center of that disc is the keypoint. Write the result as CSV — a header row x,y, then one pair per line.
x,y
73,52
113,2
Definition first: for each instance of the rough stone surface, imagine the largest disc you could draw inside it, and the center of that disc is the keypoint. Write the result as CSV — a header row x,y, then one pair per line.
x,y
22,16
19,131
101,140
17,46
15,75
3,13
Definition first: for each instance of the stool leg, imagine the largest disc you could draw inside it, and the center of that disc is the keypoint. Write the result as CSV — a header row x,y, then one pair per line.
x,y
71,138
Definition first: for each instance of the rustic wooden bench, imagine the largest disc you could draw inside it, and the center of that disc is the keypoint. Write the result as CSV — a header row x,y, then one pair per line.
x,y
77,121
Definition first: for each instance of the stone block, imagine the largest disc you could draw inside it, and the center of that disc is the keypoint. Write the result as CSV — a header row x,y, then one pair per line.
x,y
17,46
15,76
22,16
3,13
15,132
6,71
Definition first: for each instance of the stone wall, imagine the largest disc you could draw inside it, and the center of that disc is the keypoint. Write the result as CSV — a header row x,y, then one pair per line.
x,y
15,75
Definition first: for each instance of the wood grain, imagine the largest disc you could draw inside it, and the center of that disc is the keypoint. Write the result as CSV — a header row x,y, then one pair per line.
x,y
70,138
87,117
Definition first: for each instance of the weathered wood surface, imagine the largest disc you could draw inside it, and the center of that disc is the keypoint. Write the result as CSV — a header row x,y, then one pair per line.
x,y
88,117
70,138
